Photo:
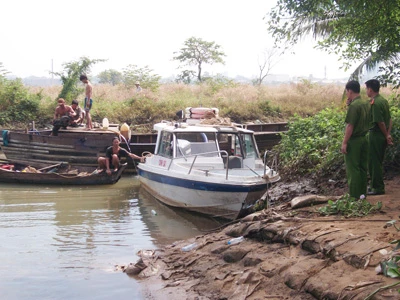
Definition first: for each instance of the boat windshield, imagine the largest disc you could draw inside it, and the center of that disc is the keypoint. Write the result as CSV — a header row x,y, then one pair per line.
x,y
238,144
244,146
249,147
192,143
165,146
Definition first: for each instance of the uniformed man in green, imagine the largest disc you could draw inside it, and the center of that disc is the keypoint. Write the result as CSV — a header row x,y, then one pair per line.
x,y
355,144
378,137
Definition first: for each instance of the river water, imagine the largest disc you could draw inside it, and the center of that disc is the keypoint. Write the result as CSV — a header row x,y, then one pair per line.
x,y
65,242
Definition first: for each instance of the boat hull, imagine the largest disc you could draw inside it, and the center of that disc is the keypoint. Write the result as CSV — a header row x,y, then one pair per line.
x,y
223,200
84,178
77,147
73,146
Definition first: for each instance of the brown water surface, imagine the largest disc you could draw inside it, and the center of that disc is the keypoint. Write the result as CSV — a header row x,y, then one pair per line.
x,y
65,242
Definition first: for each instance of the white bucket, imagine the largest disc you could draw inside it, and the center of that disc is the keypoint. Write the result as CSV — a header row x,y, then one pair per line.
x,y
105,123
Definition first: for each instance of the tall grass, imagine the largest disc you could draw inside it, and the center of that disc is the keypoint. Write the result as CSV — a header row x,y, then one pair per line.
x,y
241,102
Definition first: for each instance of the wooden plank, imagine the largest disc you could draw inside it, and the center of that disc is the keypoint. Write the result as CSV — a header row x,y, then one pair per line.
x,y
49,167
70,139
16,143
43,150
144,138
70,157
51,148
283,126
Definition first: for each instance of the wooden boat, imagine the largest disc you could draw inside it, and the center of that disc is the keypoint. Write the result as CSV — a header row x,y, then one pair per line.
x,y
79,146
211,169
73,145
56,174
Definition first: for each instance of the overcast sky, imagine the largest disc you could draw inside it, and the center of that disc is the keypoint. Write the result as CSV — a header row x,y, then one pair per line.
x,y
39,35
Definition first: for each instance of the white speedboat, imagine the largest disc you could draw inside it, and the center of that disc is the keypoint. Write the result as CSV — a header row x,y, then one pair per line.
x,y
211,169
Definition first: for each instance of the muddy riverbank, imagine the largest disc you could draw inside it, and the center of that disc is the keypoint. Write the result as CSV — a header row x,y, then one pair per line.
x,y
286,254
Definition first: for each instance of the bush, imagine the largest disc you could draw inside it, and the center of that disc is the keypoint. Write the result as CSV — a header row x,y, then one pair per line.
x,y
312,145
392,158
16,104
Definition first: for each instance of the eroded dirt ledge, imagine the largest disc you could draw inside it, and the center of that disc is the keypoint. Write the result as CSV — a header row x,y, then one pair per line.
x,y
286,254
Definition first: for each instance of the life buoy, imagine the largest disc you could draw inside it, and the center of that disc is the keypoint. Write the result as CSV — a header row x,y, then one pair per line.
x,y
200,112
197,116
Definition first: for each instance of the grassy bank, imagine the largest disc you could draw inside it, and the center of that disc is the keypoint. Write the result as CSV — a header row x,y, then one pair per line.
x,y
242,103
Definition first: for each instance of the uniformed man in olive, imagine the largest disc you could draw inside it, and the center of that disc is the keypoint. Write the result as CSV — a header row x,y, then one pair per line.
x,y
378,137
355,144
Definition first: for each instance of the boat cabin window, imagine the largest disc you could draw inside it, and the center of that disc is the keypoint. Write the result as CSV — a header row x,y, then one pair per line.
x,y
192,143
249,146
244,145
165,147
225,142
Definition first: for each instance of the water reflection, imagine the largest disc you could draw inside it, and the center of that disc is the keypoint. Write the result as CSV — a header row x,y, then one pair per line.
x,y
53,237
171,224
66,241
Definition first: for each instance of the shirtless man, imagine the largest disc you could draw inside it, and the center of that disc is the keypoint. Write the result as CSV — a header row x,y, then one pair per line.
x,y
62,115
77,120
88,100
63,110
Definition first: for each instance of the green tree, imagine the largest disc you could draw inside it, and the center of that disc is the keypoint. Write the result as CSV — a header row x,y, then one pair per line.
x,y
110,76
358,30
70,76
145,76
197,52
186,76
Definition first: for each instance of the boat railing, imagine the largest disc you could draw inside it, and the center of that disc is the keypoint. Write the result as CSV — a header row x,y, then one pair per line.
x,y
223,153
274,164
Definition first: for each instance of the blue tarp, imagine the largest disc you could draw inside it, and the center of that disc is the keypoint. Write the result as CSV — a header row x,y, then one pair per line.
x,y
4,134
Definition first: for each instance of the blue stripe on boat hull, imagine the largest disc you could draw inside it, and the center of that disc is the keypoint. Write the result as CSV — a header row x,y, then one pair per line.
x,y
204,186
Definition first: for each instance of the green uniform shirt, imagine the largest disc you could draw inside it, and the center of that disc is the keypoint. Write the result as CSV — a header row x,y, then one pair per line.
x,y
379,112
358,116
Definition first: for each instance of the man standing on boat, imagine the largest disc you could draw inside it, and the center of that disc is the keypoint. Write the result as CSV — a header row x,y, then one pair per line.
x,y
355,144
88,100
62,116
113,157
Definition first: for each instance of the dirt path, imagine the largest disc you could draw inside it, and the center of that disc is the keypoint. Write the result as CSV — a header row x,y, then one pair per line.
x,y
286,254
